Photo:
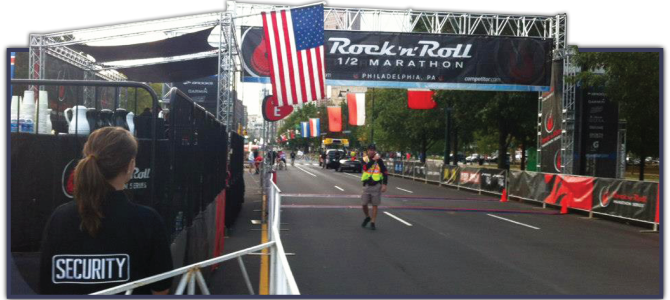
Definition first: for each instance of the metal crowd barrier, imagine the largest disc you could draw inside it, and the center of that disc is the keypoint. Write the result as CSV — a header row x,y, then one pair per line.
x,y
282,281
417,171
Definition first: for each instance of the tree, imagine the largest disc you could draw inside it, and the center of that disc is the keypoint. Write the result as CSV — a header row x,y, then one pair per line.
x,y
512,116
397,127
632,80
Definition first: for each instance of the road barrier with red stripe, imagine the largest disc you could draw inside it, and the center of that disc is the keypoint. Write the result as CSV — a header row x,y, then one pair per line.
x,y
632,200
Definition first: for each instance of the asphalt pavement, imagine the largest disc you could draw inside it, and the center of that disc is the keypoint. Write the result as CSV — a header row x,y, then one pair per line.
x,y
433,240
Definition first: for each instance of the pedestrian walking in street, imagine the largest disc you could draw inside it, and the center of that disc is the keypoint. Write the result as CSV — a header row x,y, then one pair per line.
x,y
101,239
258,160
375,179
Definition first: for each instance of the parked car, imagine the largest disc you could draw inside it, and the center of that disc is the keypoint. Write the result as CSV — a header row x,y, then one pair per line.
x,y
353,165
333,157
472,158
494,158
460,157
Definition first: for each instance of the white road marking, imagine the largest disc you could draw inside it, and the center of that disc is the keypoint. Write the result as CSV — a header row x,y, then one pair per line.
x,y
351,175
515,222
404,190
301,169
399,219
339,188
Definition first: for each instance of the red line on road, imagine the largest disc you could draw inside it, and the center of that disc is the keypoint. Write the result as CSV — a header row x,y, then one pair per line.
x,y
428,208
295,195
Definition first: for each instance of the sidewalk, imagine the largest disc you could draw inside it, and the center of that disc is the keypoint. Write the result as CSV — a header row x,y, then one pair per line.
x,y
227,279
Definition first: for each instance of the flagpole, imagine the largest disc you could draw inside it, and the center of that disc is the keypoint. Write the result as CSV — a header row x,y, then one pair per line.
x,y
287,7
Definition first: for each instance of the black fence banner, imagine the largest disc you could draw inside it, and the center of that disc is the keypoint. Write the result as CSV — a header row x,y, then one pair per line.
x,y
433,171
43,180
470,178
450,174
492,180
403,60
628,199
529,185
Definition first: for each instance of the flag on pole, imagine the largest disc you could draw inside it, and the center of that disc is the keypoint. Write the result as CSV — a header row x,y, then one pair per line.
x,y
283,138
315,127
11,74
420,99
334,118
294,42
304,128
356,105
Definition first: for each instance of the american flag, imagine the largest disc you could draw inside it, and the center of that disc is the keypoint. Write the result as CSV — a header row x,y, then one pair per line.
x,y
294,41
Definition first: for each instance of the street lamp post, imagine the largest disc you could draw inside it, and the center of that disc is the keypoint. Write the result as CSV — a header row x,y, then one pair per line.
x,y
447,123
372,124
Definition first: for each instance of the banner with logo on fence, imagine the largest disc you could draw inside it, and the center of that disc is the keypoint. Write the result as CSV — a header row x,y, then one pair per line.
x,y
628,199
419,171
492,180
450,174
469,178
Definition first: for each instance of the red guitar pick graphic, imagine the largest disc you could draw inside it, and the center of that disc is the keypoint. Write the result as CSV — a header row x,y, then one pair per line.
x,y
271,112
259,60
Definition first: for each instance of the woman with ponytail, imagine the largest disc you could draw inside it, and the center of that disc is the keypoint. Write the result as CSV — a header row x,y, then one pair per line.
x,y
101,239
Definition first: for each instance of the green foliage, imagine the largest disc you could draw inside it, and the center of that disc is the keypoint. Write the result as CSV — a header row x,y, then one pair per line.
x,y
632,80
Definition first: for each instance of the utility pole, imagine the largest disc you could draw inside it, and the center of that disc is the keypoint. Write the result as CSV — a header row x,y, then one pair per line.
x,y
372,124
447,123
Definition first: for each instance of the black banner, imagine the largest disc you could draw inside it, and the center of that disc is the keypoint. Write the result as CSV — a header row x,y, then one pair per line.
x,y
529,185
450,174
42,177
599,134
202,91
492,180
551,123
410,60
470,178
628,199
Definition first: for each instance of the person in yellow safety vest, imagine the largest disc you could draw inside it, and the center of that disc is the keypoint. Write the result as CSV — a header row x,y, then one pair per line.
x,y
374,179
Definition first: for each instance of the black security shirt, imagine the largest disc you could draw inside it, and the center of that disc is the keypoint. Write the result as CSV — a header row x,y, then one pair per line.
x,y
131,244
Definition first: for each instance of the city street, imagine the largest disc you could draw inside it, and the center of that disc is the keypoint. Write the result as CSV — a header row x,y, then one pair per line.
x,y
433,240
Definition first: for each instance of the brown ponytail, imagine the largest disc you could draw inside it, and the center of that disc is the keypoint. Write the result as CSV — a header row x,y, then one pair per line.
x,y
107,153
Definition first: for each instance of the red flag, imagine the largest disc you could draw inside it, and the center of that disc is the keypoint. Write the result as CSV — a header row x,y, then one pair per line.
x,y
356,104
420,99
334,118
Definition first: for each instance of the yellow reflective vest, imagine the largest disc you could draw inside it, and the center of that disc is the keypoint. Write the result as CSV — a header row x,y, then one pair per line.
x,y
375,173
